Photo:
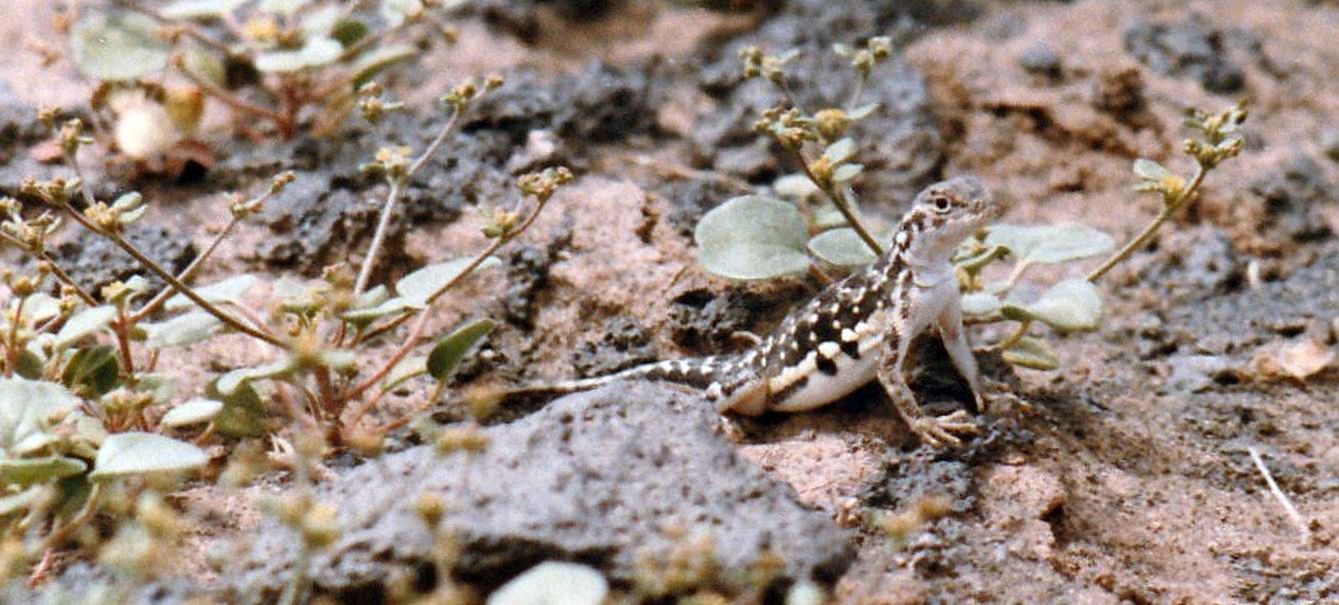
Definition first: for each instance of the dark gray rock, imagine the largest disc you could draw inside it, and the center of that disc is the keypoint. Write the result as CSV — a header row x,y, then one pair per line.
x,y
1295,192
593,477
1235,324
84,583
93,261
901,144
1191,48
1191,264
1329,143
625,344
1196,373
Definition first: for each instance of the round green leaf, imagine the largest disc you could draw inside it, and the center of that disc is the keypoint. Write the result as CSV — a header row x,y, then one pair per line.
x,y
182,330
26,407
451,349
1073,304
228,290
419,285
795,187
847,173
980,304
84,323
195,411
243,413
125,454
94,368
840,151
316,52
1033,353
229,383
752,237
553,583
1050,243
842,247
28,471
117,46
38,308
1150,170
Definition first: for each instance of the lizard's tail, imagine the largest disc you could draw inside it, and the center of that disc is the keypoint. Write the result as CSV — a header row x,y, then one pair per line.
x,y
698,373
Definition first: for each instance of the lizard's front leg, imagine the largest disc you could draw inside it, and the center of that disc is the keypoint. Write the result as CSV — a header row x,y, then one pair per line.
x,y
936,431
951,332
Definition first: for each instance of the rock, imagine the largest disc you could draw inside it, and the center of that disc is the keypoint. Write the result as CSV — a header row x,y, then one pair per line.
x,y
93,261
1040,59
1295,192
1196,373
598,477
1191,48
624,345
1192,264
1239,322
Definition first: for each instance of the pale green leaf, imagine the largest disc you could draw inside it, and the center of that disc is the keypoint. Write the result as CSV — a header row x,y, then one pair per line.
x,y
980,304
182,330
795,187
134,453
419,285
28,471
1073,304
840,151
320,22
84,323
205,65
195,411
409,367
374,61
752,237
316,52
19,502
37,308
117,46
1050,243
243,413
194,9
862,112
842,247
286,8
452,348
228,383
26,409
553,583
847,173
395,12
228,290
1150,170
95,369
1032,353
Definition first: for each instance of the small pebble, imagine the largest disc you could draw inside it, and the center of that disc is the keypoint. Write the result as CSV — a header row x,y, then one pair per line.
x,y
1040,59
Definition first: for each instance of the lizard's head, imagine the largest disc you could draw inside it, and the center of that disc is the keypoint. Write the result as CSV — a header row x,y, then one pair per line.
x,y
946,213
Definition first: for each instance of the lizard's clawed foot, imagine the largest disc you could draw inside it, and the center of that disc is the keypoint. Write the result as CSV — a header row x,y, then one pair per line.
x,y
942,431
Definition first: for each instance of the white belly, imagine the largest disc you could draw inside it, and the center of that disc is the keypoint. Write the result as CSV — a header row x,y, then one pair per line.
x,y
819,388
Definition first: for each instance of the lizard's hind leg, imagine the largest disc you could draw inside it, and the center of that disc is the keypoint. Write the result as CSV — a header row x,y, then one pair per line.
x,y
937,431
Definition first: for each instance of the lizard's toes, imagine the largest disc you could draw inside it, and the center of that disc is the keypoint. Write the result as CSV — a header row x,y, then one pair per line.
x,y
944,430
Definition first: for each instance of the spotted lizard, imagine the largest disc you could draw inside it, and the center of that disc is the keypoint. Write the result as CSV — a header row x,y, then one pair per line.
x,y
857,330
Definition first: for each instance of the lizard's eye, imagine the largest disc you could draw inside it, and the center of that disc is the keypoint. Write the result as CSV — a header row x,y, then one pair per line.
x,y
940,203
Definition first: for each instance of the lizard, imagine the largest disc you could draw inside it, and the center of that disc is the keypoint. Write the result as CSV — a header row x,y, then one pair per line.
x,y
856,330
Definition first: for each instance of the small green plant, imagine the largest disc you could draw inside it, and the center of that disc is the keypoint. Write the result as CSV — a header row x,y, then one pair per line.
x,y
82,400
811,221
279,61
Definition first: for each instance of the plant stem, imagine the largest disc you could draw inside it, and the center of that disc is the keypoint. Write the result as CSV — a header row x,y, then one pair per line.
x,y
1015,337
1143,237
838,199
189,30
397,188
420,323
153,265
12,351
282,122
161,298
